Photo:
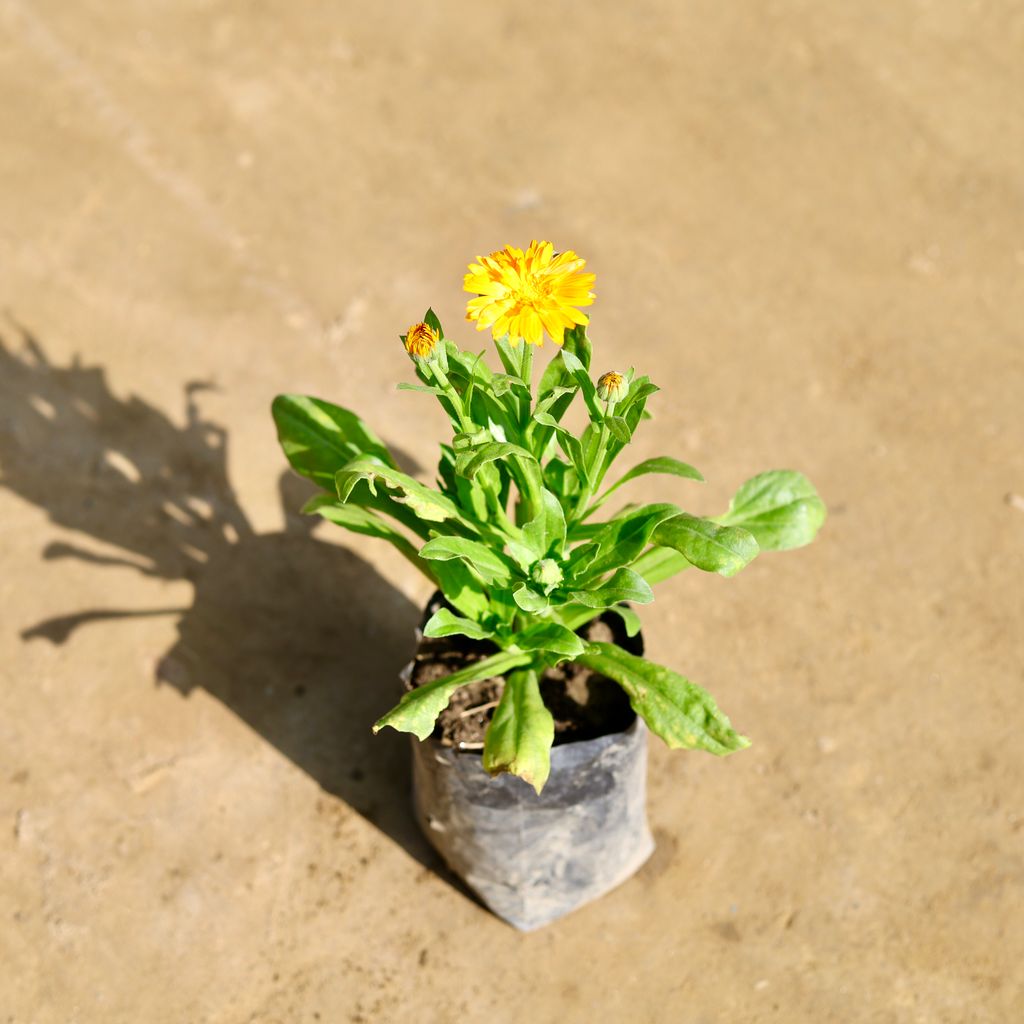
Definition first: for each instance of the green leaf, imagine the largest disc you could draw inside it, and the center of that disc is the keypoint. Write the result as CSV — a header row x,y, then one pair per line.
x,y
444,623
780,508
680,712
462,589
529,600
549,636
417,711
568,442
488,564
631,409
623,585
467,366
554,401
630,619
575,340
659,464
429,505
551,399
472,498
619,429
640,390
502,383
527,470
545,533
521,732
622,539
363,521
509,356
579,371
582,558
466,441
425,388
319,438
555,376
708,546
385,503
430,319
561,478
657,564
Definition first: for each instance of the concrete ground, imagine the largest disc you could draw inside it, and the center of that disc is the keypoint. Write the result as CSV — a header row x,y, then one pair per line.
x,y
807,222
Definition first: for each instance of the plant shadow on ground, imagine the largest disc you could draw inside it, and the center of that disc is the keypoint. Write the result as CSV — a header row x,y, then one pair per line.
x,y
300,638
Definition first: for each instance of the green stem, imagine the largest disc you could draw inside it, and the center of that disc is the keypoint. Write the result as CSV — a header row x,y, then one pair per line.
x,y
526,366
453,396
592,467
526,376
509,528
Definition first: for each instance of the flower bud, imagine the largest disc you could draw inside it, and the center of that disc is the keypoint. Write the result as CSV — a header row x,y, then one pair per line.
x,y
421,341
612,387
546,573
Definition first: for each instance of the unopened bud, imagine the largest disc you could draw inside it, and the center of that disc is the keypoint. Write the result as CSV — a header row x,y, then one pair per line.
x,y
612,387
421,341
546,573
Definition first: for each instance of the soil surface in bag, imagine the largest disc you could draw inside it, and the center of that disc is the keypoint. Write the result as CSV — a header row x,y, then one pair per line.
x,y
584,705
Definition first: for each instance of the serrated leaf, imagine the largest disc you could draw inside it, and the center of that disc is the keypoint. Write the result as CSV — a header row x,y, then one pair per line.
x,y
417,711
444,623
780,508
705,544
488,564
623,585
680,712
319,438
521,732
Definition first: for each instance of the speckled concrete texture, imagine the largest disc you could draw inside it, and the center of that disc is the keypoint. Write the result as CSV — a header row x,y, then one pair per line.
x,y
807,222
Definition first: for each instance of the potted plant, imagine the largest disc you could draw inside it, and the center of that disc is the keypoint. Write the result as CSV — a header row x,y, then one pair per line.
x,y
529,692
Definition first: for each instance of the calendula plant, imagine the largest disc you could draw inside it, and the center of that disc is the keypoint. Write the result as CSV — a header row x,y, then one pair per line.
x,y
516,534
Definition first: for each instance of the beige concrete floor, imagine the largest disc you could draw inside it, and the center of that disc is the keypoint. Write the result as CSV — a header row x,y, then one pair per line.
x,y
806,220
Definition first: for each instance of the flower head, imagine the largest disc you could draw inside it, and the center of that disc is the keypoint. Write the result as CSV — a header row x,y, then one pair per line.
x,y
525,294
421,340
612,387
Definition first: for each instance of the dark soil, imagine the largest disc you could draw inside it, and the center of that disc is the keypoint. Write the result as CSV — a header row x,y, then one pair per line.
x,y
584,705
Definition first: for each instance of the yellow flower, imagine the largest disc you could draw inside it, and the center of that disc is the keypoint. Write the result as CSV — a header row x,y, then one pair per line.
x,y
524,294
421,341
611,387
